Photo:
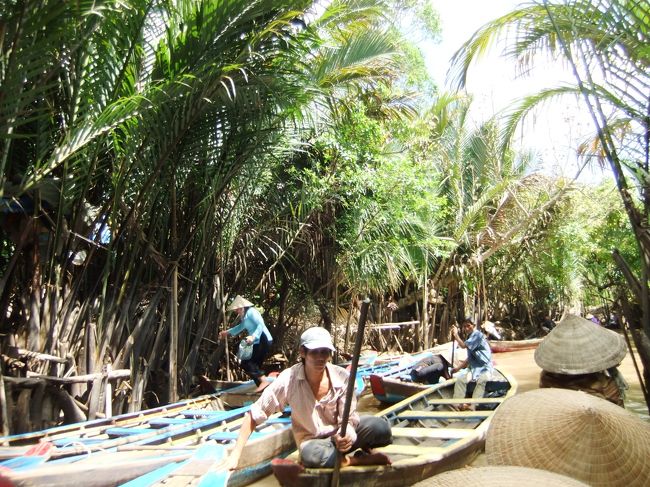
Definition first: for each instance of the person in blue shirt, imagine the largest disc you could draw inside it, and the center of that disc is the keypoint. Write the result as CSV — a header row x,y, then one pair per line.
x,y
479,360
251,321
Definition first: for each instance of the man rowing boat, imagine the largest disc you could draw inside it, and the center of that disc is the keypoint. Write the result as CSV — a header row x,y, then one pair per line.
x,y
479,360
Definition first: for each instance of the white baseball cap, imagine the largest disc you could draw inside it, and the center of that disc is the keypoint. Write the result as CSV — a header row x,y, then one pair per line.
x,y
316,337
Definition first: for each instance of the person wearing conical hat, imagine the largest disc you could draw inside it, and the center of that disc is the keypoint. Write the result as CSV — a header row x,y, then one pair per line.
x,y
257,334
571,433
580,356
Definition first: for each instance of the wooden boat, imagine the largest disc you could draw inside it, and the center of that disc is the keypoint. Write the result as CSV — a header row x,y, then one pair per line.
x,y
388,390
17,445
391,390
429,436
114,455
498,346
205,466
242,395
390,368
393,386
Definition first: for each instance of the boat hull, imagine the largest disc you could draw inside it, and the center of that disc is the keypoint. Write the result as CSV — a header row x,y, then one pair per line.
x,y
430,435
136,445
501,346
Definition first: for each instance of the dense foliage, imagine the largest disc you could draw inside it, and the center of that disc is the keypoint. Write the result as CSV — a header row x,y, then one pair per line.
x,y
160,156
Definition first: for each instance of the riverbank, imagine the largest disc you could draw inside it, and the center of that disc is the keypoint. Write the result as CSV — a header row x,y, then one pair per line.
x,y
522,366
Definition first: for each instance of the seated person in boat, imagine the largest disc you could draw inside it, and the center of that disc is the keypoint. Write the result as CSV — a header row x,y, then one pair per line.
x,y
548,324
429,370
608,384
479,360
316,392
590,367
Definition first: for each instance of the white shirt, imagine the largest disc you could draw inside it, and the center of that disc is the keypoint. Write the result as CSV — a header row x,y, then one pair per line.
x,y
309,418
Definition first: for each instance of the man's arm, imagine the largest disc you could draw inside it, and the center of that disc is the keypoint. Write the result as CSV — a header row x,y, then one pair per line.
x,y
457,339
247,427
461,366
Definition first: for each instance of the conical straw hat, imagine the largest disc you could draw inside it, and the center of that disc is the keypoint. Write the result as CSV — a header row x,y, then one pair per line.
x,y
578,346
506,476
571,433
239,302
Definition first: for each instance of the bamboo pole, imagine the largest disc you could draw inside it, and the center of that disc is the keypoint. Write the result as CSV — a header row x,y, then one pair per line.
x,y
108,392
22,352
173,337
350,391
228,373
347,324
113,374
644,389
3,406
334,326
173,307
423,335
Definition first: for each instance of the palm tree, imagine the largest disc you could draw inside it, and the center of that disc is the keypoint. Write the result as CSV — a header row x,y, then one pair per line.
x,y
146,143
605,45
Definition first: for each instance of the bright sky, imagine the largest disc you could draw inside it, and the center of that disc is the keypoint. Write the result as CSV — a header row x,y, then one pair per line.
x,y
553,132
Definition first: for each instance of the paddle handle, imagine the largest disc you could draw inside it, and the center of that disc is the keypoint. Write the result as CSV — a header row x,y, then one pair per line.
x,y
453,349
355,364
228,375
351,380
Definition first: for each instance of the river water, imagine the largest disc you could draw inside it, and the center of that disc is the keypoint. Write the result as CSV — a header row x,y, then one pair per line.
x,y
522,366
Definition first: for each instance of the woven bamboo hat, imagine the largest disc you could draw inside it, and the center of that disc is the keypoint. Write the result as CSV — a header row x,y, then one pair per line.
x,y
239,302
578,346
571,433
506,476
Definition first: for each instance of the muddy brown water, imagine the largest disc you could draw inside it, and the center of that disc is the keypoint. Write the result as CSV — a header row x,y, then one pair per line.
x,y
522,366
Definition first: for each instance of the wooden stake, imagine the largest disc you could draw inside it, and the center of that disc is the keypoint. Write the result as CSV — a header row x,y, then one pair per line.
x,y
228,375
351,380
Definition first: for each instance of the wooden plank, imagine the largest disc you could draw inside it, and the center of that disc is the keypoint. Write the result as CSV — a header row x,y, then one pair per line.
x,y
411,450
96,395
233,435
118,431
75,379
163,422
438,433
280,420
468,400
444,414
194,413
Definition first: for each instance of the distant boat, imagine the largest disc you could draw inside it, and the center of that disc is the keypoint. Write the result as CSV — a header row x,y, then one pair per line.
x,y
389,390
429,436
244,394
397,366
498,346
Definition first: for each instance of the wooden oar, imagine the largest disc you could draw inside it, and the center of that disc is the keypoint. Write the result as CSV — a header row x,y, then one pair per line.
x,y
228,376
453,349
348,396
